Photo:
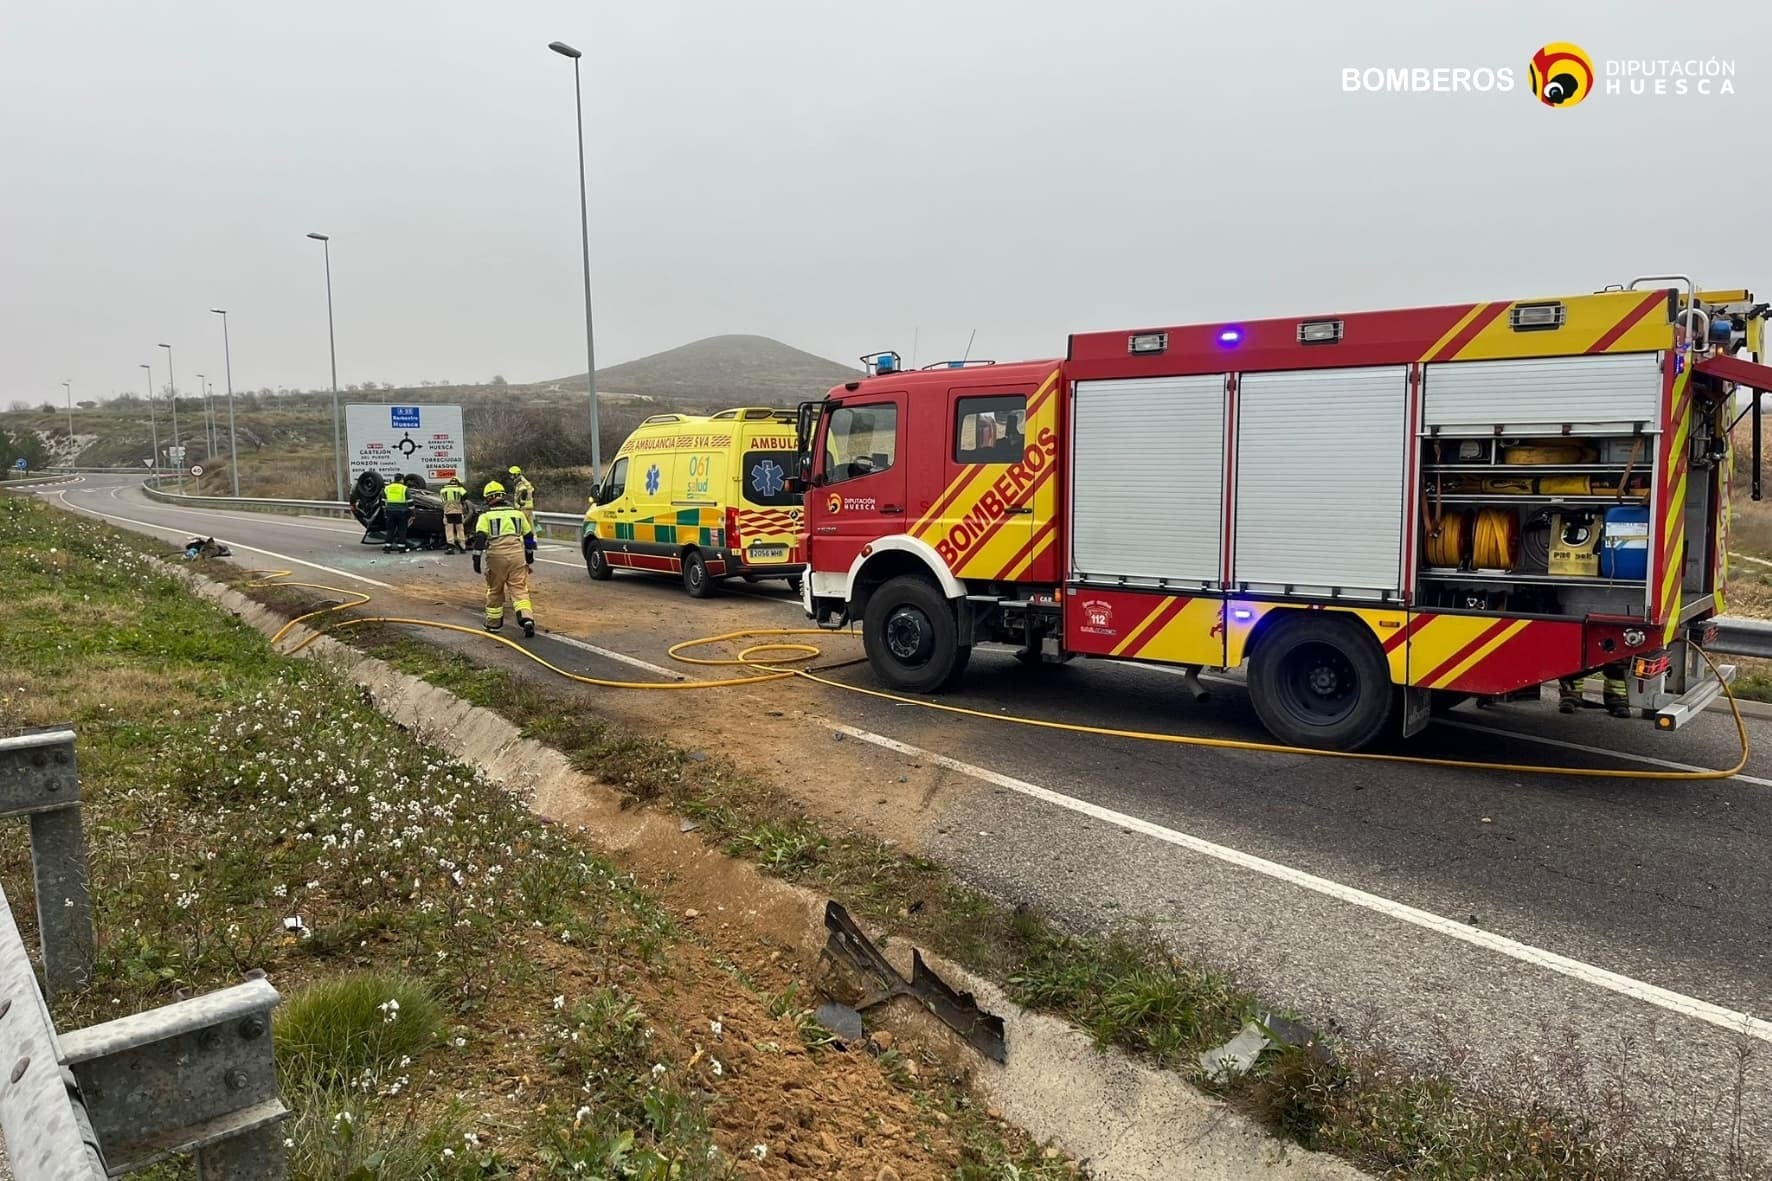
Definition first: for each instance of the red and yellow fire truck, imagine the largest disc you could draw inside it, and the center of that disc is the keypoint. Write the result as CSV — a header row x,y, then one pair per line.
x,y
1377,512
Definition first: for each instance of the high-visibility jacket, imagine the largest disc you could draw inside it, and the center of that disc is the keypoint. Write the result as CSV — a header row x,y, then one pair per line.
x,y
453,495
395,492
502,528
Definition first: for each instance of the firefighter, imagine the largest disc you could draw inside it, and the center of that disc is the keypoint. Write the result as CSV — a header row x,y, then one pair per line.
x,y
504,538
523,496
454,508
1614,691
396,513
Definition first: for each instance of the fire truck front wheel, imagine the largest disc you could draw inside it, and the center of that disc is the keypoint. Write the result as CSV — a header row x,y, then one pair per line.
x,y
1322,682
911,636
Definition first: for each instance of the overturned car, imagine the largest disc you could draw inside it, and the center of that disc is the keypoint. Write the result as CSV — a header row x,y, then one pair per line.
x,y
425,529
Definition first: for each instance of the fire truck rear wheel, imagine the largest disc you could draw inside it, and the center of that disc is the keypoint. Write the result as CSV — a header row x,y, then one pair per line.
x,y
1322,682
696,579
911,636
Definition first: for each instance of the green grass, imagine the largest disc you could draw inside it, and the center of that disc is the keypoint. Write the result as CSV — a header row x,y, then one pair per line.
x,y
355,1025
227,789
1124,988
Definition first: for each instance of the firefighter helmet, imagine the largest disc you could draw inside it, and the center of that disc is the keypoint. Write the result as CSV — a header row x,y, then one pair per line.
x,y
493,488
515,470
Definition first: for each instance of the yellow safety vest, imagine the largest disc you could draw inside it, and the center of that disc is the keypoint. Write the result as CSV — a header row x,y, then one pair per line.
x,y
504,525
396,493
452,497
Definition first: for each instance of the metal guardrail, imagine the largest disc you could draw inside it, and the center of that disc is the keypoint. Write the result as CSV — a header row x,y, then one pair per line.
x,y
1742,637
569,522
194,1077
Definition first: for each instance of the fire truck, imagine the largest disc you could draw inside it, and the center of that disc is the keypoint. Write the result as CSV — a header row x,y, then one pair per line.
x,y
1379,513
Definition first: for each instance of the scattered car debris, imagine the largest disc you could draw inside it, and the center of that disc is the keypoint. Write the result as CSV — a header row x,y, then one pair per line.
x,y
1240,1054
843,1022
206,547
959,1011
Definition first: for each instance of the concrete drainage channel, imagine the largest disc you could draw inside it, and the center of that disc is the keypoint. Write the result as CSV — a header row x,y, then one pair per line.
x,y
1125,1119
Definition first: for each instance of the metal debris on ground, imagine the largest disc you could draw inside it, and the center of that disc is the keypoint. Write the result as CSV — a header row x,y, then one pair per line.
x,y
206,547
959,1011
1239,1054
843,1022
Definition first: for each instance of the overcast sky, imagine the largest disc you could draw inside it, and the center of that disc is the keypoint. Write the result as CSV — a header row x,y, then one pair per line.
x,y
842,176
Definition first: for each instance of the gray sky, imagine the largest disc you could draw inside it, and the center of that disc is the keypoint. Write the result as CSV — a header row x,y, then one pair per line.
x,y
838,175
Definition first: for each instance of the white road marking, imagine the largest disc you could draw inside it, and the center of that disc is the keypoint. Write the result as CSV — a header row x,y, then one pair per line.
x,y
230,544
1639,990
1646,760
611,654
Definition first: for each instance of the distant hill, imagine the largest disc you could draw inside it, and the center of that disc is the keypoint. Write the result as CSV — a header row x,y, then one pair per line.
x,y
728,370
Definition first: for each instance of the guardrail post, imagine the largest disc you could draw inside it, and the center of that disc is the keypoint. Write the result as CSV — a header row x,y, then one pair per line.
x,y
195,1076
39,779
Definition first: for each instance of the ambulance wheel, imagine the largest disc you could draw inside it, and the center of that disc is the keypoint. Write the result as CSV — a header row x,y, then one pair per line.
x,y
1319,681
912,638
696,579
596,564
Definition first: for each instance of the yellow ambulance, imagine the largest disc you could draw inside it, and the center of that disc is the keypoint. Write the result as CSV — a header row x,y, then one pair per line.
x,y
705,498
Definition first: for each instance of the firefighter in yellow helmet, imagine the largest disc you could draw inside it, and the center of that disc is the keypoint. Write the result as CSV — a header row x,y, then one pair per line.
x,y
504,550
523,495
455,502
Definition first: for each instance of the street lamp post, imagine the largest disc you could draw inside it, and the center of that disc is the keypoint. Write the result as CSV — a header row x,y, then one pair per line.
x,y
233,441
68,388
584,227
338,444
153,419
207,449
178,467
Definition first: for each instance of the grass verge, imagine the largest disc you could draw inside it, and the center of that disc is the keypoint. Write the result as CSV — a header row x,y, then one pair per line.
x,y
470,992
1128,990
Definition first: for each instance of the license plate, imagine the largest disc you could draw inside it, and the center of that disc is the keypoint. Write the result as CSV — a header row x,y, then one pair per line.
x,y
768,553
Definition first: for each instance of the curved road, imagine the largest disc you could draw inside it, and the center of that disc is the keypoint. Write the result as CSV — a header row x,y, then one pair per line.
x,y
1505,925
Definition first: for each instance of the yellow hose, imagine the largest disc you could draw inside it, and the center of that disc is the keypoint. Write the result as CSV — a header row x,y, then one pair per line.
x,y
1495,545
770,668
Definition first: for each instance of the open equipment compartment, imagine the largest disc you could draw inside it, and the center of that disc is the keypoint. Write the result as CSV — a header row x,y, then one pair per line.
x,y
1538,481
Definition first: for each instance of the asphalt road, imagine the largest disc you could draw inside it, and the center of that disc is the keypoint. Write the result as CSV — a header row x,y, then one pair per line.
x,y
1513,926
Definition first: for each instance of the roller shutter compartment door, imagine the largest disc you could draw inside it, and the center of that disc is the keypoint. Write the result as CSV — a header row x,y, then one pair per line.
x,y
1147,483
1607,393
1320,477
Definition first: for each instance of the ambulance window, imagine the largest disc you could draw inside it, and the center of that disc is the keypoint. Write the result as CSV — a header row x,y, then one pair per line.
x,y
765,478
860,441
617,482
990,430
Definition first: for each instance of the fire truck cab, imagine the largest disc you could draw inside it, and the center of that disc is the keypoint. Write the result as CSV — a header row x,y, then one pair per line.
x,y
1377,513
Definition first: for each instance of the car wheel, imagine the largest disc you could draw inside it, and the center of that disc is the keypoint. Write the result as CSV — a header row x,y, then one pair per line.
x,y
596,563
1318,681
696,579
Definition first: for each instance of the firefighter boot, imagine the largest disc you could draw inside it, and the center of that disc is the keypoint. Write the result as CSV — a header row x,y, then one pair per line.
x,y
528,626
1616,693
1568,695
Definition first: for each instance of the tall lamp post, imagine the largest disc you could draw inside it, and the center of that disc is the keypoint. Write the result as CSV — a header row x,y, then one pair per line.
x,y
338,444
178,466
233,441
208,450
68,388
584,227
153,419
